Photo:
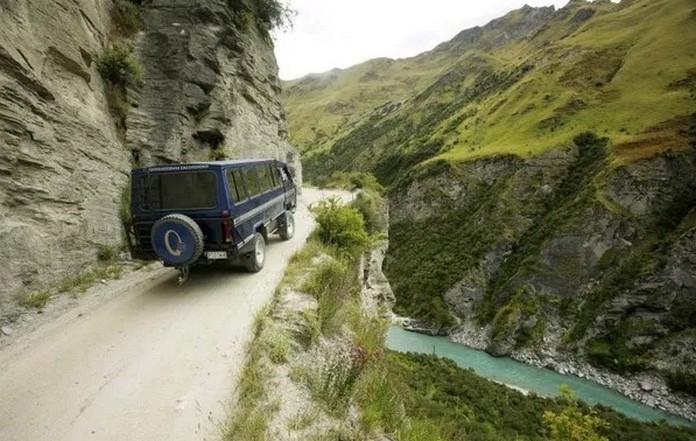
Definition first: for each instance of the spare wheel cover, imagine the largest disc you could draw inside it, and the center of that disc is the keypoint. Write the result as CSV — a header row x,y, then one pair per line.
x,y
177,239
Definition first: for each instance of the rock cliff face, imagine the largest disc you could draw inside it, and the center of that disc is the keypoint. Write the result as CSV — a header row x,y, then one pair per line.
x,y
62,168
563,259
210,86
209,91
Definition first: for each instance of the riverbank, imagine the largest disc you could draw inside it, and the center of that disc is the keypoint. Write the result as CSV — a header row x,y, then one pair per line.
x,y
645,387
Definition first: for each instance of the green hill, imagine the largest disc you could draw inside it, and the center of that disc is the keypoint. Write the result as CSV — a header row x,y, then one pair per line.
x,y
522,84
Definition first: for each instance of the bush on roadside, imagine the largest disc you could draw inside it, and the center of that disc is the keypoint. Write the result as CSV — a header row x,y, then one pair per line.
x,y
341,226
34,299
373,208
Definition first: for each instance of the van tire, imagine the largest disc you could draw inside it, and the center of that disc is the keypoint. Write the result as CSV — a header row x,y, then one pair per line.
x,y
286,230
257,256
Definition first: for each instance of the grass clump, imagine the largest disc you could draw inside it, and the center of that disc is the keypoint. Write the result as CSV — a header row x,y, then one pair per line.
x,y
34,299
250,421
81,282
279,345
337,378
126,16
73,285
120,70
331,284
109,252
380,401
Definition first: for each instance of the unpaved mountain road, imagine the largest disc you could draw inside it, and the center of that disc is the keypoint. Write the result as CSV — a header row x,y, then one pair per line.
x,y
157,361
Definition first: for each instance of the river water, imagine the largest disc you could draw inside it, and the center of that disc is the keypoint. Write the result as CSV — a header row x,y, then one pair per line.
x,y
541,381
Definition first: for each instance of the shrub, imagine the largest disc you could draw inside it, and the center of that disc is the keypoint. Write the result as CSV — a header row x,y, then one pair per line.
x,y
118,67
340,225
108,253
571,424
374,211
271,14
126,15
274,14
681,381
379,400
353,181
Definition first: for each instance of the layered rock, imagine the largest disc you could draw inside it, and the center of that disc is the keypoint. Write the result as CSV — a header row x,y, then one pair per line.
x,y
209,91
210,86
62,168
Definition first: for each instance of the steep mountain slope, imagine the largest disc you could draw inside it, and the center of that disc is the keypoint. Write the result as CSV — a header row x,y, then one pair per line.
x,y
541,185
522,84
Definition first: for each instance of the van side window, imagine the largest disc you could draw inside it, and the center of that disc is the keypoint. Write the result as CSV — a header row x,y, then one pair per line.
x,y
240,188
278,176
265,177
251,180
234,191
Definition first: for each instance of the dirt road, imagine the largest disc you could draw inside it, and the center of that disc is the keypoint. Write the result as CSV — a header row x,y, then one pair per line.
x,y
156,362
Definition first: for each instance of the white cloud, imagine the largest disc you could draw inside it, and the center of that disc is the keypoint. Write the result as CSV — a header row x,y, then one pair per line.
x,y
339,33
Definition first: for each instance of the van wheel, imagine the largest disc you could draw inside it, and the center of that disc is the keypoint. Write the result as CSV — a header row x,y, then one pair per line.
x,y
257,257
287,226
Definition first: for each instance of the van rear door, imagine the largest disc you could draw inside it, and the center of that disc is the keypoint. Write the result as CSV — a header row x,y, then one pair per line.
x,y
193,191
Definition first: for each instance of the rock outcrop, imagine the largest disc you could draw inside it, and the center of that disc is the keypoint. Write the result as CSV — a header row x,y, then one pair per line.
x,y
210,86
62,167
209,91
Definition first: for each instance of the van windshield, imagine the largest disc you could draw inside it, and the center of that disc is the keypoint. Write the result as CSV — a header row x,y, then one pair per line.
x,y
179,191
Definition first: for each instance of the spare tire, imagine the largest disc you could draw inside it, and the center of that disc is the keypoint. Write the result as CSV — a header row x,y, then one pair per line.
x,y
177,240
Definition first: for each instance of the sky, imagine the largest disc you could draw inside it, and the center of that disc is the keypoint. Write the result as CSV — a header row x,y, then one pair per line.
x,y
340,33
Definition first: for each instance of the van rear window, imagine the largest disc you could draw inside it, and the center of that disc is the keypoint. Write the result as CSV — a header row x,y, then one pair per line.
x,y
179,191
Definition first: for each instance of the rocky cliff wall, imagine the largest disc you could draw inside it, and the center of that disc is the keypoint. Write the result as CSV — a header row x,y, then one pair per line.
x,y
209,90
568,259
62,168
210,86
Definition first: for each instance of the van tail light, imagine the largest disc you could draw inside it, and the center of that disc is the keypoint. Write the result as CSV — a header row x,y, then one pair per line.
x,y
227,230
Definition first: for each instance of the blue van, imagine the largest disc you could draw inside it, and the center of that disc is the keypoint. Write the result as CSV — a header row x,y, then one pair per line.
x,y
186,214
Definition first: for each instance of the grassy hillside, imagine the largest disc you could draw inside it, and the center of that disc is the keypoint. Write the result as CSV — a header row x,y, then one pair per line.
x,y
522,84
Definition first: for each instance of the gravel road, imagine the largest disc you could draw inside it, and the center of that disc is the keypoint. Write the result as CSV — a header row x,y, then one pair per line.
x,y
155,361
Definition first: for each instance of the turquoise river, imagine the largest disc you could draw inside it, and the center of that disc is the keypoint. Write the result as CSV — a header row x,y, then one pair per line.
x,y
541,381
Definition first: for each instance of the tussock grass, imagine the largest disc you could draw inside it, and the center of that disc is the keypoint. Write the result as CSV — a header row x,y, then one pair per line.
x,y
73,285
34,299
81,282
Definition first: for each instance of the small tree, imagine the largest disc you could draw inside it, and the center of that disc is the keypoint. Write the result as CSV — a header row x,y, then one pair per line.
x,y
571,424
